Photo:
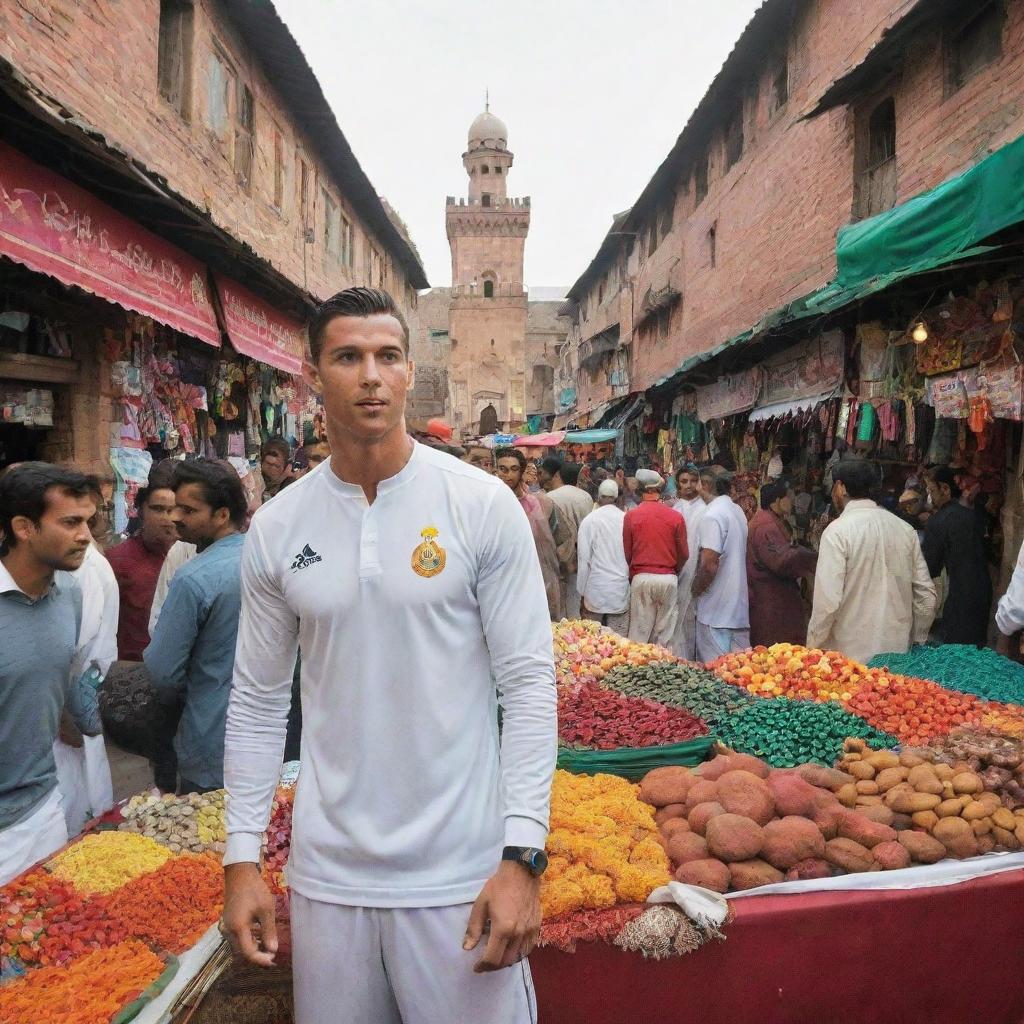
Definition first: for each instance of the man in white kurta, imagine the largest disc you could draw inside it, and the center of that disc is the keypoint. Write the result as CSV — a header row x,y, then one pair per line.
x,y
691,506
873,593
603,574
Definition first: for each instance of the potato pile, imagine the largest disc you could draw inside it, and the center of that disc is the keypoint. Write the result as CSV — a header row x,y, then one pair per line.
x,y
917,791
737,823
192,823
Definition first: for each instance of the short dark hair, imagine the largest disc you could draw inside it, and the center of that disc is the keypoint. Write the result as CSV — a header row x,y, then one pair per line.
x,y
359,302
511,453
857,476
944,475
24,491
275,446
723,482
570,473
772,491
687,467
161,478
552,464
219,483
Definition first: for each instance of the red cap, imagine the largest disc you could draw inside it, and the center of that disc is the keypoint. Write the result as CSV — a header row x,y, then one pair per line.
x,y
437,427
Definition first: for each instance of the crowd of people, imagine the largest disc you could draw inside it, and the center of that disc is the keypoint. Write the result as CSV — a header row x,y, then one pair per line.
x,y
389,560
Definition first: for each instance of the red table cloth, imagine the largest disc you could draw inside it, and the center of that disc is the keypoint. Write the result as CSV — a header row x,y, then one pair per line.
x,y
943,955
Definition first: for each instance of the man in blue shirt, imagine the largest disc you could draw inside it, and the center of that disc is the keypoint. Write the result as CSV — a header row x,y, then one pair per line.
x,y
192,651
44,535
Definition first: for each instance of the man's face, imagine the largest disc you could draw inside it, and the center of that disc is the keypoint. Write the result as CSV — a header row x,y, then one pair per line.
x,y
839,496
273,467
196,521
546,479
511,472
785,504
482,458
315,454
688,485
530,475
363,376
938,493
157,516
61,537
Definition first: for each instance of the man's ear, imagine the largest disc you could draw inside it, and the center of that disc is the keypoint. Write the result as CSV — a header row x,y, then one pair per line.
x,y
311,375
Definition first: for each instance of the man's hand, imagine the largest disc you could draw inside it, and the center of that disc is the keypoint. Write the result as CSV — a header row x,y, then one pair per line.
x,y
1003,645
510,903
248,907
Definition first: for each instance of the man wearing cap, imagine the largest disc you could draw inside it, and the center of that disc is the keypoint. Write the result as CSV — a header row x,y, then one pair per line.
x,y
603,574
720,584
654,539
691,505
775,566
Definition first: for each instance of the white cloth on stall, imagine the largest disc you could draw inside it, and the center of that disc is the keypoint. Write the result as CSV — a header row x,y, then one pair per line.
x,y
723,529
1010,610
714,641
368,965
416,613
653,608
603,575
873,593
83,773
33,838
685,641
705,906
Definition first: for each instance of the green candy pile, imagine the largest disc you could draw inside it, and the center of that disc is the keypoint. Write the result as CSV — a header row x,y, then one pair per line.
x,y
786,732
978,671
679,685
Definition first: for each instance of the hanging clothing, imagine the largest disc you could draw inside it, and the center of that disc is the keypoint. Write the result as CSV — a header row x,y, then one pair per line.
x,y
774,568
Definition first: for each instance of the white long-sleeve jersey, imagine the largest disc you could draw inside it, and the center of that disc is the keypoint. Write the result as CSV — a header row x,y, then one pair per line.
x,y
403,609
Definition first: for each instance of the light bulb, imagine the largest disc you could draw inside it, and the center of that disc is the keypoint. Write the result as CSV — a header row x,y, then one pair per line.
x,y
920,333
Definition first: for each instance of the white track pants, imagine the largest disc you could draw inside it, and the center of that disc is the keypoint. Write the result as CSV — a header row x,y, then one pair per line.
x,y
365,965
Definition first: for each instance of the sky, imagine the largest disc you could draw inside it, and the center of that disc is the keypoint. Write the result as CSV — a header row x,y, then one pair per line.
x,y
594,94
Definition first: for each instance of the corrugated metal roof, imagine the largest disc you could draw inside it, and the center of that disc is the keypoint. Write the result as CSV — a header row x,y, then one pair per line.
x,y
289,71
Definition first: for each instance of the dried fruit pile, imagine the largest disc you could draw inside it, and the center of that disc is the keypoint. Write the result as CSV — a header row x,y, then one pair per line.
x,y
90,991
103,861
585,651
591,717
787,732
277,842
603,846
191,823
680,685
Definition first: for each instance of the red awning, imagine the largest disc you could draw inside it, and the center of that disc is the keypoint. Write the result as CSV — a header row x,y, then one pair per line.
x,y
56,228
258,330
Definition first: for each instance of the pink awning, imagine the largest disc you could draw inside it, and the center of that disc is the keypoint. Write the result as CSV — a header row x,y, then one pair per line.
x,y
258,330
550,440
54,227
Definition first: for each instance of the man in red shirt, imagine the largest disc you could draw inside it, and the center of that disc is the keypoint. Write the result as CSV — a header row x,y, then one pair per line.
x,y
137,562
654,537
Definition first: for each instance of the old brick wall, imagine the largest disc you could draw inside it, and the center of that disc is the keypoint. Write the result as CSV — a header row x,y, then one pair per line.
x,y
776,212
99,59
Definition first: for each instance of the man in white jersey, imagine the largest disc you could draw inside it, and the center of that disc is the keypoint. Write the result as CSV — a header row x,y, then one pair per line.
x,y
408,578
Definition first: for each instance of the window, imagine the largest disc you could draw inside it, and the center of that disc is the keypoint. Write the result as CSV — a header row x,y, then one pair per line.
x,y
665,227
497,170
220,85
488,289
778,93
486,199
734,138
975,43
174,55
244,137
652,235
278,170
347,241
332,227
304,193
713,244
485,169
875,187
600,293
700,181
373,268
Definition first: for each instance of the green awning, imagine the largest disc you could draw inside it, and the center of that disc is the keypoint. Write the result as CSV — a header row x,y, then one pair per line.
x,y
938,227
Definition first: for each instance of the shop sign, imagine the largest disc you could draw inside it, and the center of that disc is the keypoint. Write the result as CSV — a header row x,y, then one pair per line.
x,y
951,395
258,330
814,367
54,227
728,395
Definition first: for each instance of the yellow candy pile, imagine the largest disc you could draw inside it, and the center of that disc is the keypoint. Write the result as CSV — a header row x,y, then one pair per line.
x,y
104,861
603,845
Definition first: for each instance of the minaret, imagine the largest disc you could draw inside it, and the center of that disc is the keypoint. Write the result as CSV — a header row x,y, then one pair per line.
x,y
487,318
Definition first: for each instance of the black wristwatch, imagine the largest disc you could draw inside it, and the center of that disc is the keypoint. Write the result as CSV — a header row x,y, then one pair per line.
x,y
535,861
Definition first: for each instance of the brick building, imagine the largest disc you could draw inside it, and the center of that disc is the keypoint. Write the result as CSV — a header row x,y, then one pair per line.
x,y
824,113
199,125
501,346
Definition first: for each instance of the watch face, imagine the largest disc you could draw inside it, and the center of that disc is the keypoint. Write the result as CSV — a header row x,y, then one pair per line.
x,y
538,862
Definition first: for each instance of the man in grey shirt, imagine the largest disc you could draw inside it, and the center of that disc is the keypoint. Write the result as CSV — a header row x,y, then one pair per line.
x,y
44,534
